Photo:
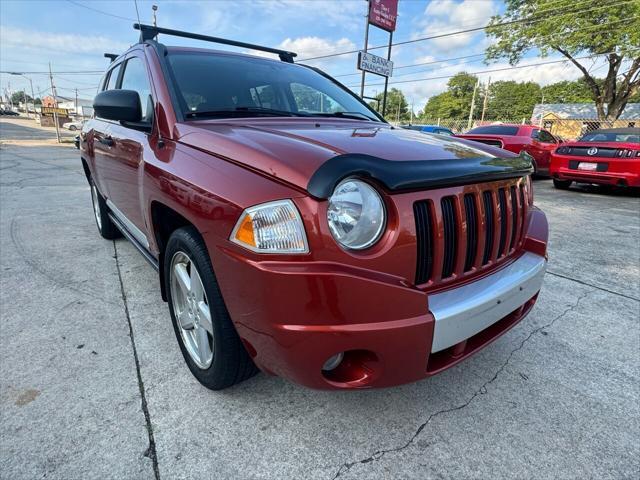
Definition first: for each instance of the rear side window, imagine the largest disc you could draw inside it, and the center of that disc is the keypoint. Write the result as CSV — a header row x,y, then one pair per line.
x,y
113,77
135,78
546,137
495,130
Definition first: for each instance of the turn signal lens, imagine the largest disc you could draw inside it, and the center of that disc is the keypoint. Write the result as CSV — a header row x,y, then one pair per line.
x,y
274,227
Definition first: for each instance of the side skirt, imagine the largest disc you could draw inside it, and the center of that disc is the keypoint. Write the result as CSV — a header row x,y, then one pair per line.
x,y
141,248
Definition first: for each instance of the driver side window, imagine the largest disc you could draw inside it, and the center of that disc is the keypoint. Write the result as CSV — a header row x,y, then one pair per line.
x,y
135,78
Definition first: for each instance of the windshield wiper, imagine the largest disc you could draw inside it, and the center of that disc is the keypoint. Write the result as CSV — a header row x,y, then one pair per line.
x,y
356,115
244,111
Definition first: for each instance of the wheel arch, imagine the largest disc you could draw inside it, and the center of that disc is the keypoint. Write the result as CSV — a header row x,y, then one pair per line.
x,y
85,167
164,221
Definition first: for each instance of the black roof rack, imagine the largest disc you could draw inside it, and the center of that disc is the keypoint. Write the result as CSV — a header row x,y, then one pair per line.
x,y
148,32
111,56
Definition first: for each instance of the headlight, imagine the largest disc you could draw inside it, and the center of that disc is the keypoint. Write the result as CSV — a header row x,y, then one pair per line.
x,y
274,227
356,215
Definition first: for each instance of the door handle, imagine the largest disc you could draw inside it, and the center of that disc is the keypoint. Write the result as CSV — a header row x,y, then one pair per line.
x,y
108,141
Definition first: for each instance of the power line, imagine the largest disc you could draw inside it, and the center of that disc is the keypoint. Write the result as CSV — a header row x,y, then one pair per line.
x,y
101,11
444,60
482,71
75,72
475,29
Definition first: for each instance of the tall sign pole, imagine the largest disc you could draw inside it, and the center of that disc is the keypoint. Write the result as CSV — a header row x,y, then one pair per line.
x,y
382,14
366,46
386,80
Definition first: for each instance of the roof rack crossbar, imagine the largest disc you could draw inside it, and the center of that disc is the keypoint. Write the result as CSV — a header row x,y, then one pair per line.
x,y
111,56
148,32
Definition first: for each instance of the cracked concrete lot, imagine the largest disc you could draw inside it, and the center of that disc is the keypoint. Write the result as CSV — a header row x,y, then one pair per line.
x,y
93,385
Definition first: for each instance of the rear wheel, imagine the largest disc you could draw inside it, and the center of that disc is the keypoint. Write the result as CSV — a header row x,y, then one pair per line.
x,y
208,340
562,184
101,214
73,128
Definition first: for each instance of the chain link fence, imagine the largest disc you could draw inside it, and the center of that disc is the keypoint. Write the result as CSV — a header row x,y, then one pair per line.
x,y
567,129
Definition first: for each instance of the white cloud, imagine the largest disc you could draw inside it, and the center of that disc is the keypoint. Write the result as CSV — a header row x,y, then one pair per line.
x,y
444,16
38,40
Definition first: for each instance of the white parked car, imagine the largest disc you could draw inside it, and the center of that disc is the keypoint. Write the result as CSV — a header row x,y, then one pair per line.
x,y
73,126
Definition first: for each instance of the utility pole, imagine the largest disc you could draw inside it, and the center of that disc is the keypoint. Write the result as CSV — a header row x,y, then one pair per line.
x,y
55,104
411,121
155,9
473,105
486,99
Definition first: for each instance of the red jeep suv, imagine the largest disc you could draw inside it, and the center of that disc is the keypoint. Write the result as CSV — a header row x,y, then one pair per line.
x,y
295,231
537,142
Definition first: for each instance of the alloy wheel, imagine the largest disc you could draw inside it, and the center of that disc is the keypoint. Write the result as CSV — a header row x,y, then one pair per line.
x,y
191,310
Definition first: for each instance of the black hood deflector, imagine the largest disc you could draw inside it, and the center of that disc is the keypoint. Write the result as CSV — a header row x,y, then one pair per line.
x,y
399,176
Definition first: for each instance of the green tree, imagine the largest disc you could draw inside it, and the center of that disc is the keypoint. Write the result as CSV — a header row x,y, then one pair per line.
x,y
573,29
567,92
17,97
397,106
455,102
509,99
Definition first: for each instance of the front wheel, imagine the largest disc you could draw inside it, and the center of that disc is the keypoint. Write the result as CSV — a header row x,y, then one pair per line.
x,y
562,184
207,337
73,128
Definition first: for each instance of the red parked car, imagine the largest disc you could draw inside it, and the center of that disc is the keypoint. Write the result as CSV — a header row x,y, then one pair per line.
x,y
537,142
604,157
295,231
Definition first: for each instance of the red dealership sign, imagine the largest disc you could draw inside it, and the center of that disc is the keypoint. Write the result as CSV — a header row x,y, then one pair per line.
x,y
383,14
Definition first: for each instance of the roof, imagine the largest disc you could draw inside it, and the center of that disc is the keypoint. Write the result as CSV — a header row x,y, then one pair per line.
x,y
619,131
578,111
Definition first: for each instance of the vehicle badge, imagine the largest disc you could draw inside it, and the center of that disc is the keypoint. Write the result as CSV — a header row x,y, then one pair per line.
x,y
592,151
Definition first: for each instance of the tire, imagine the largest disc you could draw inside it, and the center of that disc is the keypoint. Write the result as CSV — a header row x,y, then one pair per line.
x,y
101,215
73,128
562,184
217,357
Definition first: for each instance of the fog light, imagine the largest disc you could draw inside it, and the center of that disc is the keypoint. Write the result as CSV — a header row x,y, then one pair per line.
x,y
333,362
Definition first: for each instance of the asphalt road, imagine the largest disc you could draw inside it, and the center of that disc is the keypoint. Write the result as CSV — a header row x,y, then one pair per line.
x,y
92,383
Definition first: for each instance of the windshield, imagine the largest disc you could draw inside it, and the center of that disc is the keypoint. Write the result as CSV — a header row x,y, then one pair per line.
x,y
218,85
597,136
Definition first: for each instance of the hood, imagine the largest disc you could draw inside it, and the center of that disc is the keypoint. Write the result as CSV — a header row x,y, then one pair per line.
x,y
293,149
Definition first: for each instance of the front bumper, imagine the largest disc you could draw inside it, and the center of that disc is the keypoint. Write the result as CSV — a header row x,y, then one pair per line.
x,y
461,313
293,316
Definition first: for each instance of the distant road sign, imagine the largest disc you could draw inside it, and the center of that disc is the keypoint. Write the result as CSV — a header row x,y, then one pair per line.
x,y
52,110
374,64
383,14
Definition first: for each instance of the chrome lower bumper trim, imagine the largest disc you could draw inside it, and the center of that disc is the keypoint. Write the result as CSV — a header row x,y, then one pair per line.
x,y
462,312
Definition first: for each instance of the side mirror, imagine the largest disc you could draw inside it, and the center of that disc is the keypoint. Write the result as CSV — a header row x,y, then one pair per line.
x,y
119,105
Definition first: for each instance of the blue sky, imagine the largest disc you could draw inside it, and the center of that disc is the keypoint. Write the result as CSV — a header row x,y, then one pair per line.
x,y
73,35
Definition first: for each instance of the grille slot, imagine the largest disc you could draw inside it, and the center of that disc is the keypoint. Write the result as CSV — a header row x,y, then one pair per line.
x,y
450,237
424,232
472,231
514,217
487,197
502,200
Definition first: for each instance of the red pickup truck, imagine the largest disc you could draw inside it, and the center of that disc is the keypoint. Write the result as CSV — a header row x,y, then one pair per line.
x,y
295,231
536,141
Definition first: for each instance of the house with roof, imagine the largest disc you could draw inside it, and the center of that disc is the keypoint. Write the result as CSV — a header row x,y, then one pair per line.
x,y
571,120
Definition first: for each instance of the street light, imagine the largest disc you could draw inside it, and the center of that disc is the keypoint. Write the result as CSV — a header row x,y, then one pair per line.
x,y
33,98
